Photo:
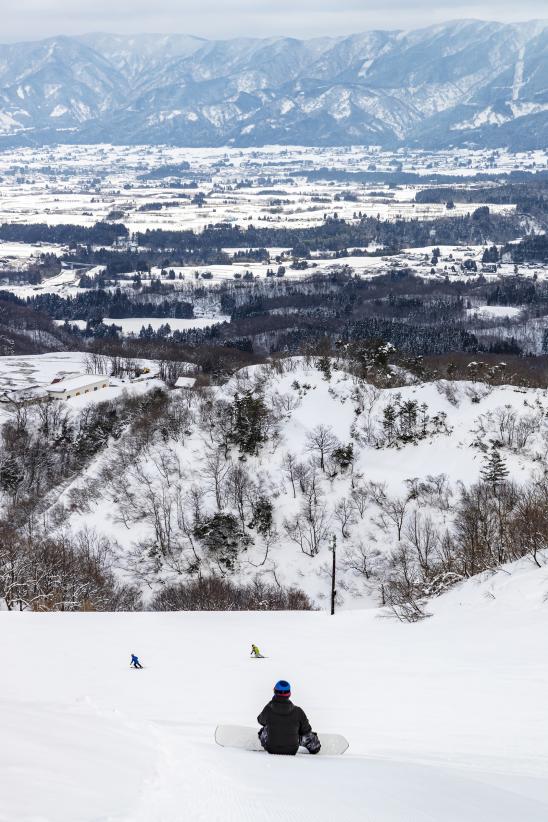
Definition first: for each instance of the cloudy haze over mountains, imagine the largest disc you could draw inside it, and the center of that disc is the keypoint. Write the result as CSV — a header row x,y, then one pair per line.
x,y
454,83
214,19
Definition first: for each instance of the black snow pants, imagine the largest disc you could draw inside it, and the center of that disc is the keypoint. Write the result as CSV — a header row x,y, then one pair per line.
x,y
309,741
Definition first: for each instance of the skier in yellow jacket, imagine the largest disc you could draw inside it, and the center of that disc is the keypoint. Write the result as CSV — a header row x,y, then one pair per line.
x,y
255,652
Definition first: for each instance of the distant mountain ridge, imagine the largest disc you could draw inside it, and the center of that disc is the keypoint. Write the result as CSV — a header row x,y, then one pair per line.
x,y
463,82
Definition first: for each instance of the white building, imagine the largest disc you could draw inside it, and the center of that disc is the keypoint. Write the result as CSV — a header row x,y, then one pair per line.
x,y
75,386
28,394
185,382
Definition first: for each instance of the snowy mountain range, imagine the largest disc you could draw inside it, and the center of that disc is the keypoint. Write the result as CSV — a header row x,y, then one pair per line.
x,y
463,82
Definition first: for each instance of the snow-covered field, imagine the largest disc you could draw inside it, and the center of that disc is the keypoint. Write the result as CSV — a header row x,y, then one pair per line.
x,y
495,311
445,718
233,182
268,187
39,370
24,370
419,260
16,251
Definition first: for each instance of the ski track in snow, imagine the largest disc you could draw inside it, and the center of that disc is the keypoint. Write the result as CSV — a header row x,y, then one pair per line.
x,y
445,718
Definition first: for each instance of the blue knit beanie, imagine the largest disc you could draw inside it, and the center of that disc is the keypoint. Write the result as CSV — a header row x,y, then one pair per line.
x,y
282,688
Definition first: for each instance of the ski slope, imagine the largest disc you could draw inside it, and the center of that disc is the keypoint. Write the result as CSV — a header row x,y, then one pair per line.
x,y
446,718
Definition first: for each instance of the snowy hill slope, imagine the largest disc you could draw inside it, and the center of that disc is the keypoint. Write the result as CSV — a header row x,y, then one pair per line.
x,y
445,718
144,494
448,84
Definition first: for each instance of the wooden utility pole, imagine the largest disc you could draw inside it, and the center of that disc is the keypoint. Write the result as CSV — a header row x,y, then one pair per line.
x,y
333,573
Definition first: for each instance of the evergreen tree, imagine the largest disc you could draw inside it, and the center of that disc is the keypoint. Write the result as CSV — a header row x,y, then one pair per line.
x,y
324,365
250,422
490,255
408,419
262,516
223,537
494,469
343,456
11,476
390,416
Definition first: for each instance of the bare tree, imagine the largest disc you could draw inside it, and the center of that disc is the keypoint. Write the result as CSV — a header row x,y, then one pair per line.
x,y
310,528
393,509
365,396
68,573
116,366
53,418
344,514
311,489
529,526
284,404
179,418
360,499
215,470
423,537
361,559
238,487
216,420
437,491
97,363
306,476
321,441
195,498
289,466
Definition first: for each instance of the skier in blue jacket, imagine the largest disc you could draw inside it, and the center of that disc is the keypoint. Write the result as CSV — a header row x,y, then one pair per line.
x,y
135,662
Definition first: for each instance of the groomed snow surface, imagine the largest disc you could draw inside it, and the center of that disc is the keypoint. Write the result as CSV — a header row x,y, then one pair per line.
x,y
446,718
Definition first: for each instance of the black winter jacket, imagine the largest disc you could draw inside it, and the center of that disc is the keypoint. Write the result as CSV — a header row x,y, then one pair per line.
x,y
285,724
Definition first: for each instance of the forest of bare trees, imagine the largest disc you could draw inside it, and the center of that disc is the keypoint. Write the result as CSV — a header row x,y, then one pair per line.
x,y
202,489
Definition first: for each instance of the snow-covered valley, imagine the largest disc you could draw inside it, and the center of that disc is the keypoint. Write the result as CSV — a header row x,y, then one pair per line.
x,y
274,373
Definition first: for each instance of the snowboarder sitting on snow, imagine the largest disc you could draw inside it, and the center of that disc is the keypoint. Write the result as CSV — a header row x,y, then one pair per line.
x,y
255,652
135,662
285,726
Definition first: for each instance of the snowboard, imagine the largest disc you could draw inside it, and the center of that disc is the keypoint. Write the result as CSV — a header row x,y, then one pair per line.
x,y
238,736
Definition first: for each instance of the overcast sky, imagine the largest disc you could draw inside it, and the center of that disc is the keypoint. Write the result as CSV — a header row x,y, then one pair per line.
x,y
32,19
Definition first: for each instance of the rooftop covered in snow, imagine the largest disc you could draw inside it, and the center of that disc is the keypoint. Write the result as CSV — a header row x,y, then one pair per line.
x,y
74,383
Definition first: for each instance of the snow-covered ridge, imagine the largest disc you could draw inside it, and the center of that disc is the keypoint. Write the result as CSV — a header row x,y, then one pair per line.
x,y
436,85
